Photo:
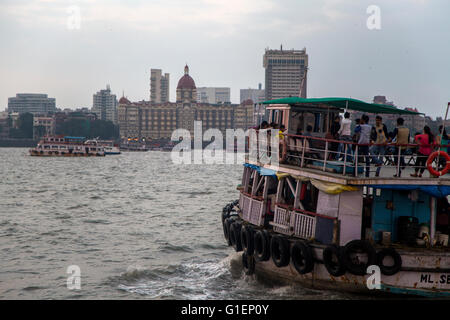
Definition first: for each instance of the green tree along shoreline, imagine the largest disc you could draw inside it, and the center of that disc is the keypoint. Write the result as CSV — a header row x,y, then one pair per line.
x,y
70,127
89,129
24,128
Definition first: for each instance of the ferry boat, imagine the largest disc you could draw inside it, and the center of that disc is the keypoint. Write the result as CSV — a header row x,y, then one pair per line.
x,y
324,224
110,147
133,145
67,146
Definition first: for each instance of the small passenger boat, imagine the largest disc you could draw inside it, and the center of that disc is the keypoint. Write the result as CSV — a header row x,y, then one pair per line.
x,y
325,224
67,146
110,147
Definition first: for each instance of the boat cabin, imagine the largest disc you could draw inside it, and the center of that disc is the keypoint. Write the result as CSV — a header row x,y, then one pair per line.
x,y
322,194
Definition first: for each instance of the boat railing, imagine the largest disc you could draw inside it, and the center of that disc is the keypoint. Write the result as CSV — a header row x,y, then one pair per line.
x,y
350,158
298,222
252,208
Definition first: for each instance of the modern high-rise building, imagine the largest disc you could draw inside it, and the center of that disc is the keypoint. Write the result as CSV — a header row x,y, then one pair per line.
x,y
256,95
159,86
213,95
105,105
34,103
286,72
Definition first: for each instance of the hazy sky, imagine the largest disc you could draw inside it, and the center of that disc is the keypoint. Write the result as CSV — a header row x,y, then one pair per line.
x,y
223,42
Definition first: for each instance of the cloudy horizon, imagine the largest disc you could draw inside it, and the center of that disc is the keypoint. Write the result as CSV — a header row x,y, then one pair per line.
x,y
223,42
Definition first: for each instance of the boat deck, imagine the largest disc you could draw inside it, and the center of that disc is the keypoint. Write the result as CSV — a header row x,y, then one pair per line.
x,y
386,176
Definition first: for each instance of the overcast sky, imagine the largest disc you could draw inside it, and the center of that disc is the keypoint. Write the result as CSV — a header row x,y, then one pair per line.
x,y
223,42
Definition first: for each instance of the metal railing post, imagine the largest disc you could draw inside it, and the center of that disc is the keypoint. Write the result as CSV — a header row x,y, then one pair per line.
x,y
356,161
303,153
326,156
398,162
345,159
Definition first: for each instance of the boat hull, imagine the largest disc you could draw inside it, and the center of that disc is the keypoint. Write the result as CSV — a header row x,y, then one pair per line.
x,y
53,154
421,274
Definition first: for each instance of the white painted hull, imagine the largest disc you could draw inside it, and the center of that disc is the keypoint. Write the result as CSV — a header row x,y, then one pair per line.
x,y
111,150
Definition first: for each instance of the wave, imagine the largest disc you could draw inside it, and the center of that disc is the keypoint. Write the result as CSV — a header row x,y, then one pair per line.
x,y
191,280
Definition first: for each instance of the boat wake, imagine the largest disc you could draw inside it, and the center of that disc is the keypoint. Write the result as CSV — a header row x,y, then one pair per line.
x,y
200,280
185,281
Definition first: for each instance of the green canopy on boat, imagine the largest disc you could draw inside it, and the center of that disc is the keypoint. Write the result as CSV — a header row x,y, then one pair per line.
x,y
343,103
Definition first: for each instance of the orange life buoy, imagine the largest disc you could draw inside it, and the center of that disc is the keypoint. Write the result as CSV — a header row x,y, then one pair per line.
x,y
431,159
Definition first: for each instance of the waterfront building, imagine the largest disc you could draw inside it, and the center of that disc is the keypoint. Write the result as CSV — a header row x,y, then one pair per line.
x,y
34,103
256,95
213,95
105,105
159,86
150,120
4,125
285,71
43,126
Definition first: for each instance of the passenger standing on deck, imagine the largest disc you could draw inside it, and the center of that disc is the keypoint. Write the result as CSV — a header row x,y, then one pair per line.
x,y
425,142
364,130
378,136
401,134
345,134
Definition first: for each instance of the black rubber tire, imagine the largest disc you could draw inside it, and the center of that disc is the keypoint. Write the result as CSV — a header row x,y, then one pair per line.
x,y
302,257
224,216
235,236
248,263
359,246
247,239
261,240
389,270
337,268
226,230
279,250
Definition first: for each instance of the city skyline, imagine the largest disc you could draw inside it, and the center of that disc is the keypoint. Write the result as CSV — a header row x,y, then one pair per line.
x,y
223,44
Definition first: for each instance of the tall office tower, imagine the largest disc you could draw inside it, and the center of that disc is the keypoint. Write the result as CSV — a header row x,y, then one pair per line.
x,y
159,86
34,103
105,105
256,95
285,72
213,95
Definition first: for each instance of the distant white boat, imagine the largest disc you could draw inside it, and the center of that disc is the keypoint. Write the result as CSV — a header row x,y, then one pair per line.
x,y
110,147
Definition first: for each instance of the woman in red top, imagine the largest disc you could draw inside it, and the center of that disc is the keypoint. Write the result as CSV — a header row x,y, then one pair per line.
x,y
425,141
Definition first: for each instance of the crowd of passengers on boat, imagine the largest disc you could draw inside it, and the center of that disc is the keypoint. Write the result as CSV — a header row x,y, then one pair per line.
x,y
366,144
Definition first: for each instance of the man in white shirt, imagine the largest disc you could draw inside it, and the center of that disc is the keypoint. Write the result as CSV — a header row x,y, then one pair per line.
x,y
345,134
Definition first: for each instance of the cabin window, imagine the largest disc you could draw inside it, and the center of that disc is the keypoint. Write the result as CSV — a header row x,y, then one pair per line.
x,y
46,147
62,147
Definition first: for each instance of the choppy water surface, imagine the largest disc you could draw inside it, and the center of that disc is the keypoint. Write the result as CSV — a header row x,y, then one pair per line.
x,y
138,226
